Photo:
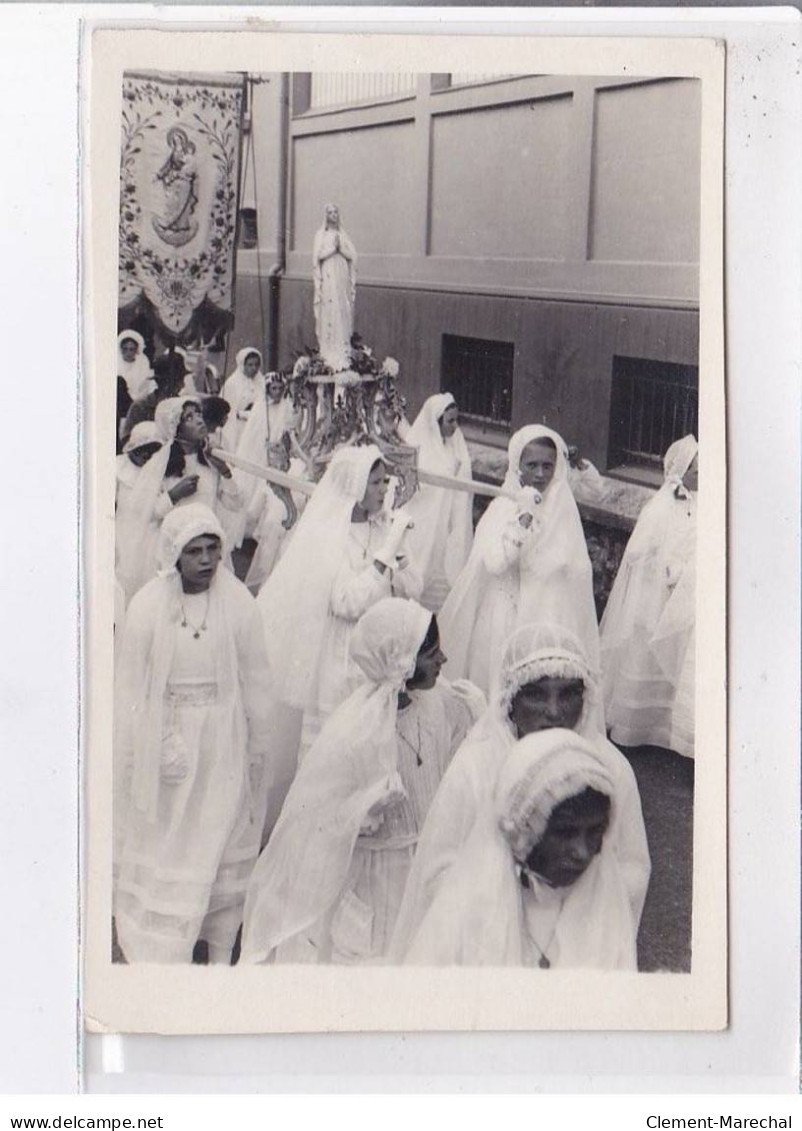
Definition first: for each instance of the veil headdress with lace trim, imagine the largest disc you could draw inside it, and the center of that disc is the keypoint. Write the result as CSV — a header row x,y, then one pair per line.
x,y
294,600
477,918
351,765
532,652
556,577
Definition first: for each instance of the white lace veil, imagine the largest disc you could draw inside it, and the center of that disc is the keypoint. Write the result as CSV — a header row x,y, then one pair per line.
x,y
532,652
294,600
351,765
537,777
535,651
538,651
476,919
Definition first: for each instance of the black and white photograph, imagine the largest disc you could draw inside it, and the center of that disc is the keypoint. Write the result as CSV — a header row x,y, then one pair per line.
x,y
401,718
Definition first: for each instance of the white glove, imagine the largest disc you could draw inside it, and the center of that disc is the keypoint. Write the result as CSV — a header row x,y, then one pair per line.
x,y
528,499
374,818
387,552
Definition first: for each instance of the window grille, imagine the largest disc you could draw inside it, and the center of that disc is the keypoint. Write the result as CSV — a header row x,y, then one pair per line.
x,y
463,78
653,403
478,372
351,89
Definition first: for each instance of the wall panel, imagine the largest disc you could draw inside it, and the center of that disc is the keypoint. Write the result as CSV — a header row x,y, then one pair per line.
x,y
501,181
646,170
368,174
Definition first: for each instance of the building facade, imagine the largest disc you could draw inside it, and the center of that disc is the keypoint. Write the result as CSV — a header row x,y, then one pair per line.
x,y
529,243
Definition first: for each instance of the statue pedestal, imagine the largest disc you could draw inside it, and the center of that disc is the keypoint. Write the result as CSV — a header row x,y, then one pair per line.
x,y
356,406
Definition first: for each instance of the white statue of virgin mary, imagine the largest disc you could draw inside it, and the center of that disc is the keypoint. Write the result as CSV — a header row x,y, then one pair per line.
x,y
334,276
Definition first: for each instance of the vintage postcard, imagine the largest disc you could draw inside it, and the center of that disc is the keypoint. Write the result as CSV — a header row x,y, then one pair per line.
x,y
404,532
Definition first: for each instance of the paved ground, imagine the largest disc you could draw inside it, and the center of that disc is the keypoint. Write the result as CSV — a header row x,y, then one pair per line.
x,y
665,781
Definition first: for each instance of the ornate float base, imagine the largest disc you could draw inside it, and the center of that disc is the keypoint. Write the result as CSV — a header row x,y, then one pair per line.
x,y
360,405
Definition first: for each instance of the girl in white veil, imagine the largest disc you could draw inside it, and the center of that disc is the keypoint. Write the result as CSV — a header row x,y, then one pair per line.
x,y
443,531
145,503
243,388
529,563
346,553
190,745
648,626
328,885
537,658
180,472
510,902
271,419
133,365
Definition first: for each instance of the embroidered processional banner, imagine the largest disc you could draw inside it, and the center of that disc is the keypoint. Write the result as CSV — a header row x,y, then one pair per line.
x,y
179,199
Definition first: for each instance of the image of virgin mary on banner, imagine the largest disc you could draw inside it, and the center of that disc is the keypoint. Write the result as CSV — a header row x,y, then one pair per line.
x,y
179,201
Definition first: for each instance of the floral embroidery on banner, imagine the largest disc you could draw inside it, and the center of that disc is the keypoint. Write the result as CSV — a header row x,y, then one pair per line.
x,y
179,177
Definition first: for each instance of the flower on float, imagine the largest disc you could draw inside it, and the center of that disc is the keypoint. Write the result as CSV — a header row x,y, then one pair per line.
x,y
390,367
301,367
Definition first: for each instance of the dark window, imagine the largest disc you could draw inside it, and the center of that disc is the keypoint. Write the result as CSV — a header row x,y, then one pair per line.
x,y
653,404
479,374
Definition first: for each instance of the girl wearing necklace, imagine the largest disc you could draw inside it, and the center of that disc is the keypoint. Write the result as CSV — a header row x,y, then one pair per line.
x,y
192,472
191,734
538,882
329,883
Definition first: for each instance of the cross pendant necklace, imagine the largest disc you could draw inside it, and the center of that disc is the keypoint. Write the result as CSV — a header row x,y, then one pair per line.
x,y
198,628
416,750
544,962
